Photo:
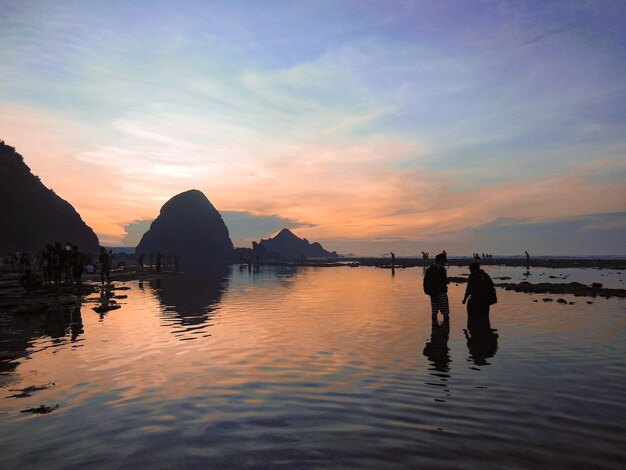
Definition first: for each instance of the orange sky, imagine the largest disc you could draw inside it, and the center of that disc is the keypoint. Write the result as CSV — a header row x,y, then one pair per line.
x,y
406,136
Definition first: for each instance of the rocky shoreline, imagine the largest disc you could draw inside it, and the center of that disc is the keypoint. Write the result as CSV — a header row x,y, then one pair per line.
x,y
401,263
576,288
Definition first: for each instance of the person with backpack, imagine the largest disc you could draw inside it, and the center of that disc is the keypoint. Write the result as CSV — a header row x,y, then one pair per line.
x,y
480,292
436,286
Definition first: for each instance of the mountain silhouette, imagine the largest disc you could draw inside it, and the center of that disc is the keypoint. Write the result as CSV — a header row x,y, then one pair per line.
x,y
289,246
191,228
32,215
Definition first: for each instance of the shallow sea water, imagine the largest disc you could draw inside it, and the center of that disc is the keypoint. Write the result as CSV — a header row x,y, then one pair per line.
x,y
314,368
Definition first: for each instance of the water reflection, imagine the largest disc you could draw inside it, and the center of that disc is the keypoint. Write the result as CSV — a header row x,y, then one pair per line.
x,y
19,333
191,297
437,350
438,353
76,321
482,340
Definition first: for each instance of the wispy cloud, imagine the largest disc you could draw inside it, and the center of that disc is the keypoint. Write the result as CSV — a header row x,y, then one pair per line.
x,y
350,120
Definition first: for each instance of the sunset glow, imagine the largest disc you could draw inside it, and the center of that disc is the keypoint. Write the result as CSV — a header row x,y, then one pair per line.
x,y
367,126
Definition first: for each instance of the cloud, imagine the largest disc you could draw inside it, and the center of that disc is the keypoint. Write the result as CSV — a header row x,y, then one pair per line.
x,y
135,231
370,122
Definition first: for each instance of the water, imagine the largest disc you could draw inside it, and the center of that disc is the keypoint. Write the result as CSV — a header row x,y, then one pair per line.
x,y
313,368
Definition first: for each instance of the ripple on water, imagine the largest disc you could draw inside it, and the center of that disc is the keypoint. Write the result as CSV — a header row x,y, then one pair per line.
x,y
315,368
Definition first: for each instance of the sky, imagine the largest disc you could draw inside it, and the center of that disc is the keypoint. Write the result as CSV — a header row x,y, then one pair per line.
x,y
369,126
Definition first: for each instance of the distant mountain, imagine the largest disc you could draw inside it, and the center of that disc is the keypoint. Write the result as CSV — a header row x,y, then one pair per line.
x,y
287,245
32,215
190,227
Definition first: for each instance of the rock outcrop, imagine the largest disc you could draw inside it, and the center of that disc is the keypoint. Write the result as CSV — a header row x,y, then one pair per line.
x,y
32,215
192,229
288,246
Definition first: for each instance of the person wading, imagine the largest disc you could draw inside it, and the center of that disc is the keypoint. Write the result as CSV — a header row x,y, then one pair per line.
x,y
480,291
436,286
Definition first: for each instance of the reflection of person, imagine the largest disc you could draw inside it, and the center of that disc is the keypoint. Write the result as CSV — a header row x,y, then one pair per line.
x,y
437,350
480,292
76,325
436,286
482,340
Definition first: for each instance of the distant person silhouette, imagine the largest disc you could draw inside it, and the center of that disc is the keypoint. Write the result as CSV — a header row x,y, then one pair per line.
x,y
140,260
436,286
105,265
159,260
57,264
480,292
78,261
46,264
527,258
393,259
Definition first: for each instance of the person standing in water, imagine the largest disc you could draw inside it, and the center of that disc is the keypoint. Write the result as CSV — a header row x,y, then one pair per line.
x,y
480,292
436,286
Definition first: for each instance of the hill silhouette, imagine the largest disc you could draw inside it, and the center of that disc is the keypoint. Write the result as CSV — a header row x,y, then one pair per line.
x,y
289,246
191,228
32,215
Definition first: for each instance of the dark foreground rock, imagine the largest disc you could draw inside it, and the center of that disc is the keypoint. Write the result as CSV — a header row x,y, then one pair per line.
x,y
33,215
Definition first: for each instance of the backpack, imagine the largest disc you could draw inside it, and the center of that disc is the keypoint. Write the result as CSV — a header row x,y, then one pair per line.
x,y
431,283
486,289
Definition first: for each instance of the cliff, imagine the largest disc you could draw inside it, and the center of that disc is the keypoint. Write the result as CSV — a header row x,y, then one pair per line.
x,y
191,228
32,215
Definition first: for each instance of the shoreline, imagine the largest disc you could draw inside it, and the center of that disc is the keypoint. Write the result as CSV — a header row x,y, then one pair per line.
x,y
15,299
400,263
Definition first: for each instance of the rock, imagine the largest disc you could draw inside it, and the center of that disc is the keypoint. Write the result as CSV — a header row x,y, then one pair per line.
x,y
27,392
289,246
561,301
596,285
33,215
106,308
547,299
192,229
41,410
